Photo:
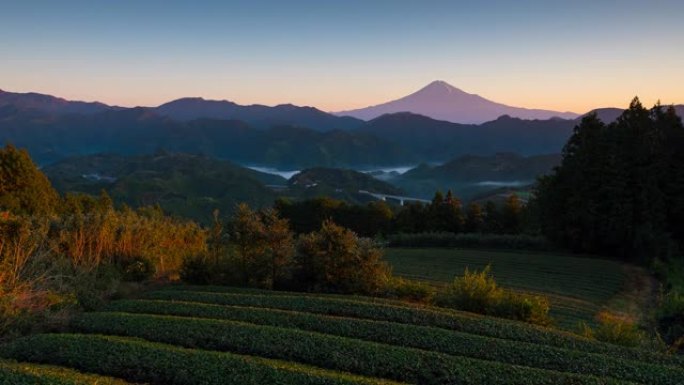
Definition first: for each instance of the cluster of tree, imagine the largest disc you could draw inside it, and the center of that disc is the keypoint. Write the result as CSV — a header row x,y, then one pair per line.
x,y
54,249
307,215
258,249
620,188
442,214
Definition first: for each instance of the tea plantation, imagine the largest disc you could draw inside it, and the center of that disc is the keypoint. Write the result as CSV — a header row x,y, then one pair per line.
x,y
577,287
184,335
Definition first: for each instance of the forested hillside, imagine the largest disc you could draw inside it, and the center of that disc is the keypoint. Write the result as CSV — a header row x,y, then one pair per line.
x,y
184,185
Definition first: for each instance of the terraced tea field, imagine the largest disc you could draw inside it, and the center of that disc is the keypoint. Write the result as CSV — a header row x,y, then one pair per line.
x,y
183,335
577,287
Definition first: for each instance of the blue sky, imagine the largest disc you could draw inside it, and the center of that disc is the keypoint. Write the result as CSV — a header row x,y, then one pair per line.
x,y
339,55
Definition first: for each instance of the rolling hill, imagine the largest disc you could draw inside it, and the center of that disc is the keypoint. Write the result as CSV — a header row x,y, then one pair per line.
x,y
341,184
184,185
470,176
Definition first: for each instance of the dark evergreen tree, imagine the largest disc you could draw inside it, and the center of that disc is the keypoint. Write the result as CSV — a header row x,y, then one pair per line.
x,y
475,218
512,215
492,219
618,187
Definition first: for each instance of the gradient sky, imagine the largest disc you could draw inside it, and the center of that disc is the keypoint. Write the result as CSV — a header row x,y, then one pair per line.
x,y
562,55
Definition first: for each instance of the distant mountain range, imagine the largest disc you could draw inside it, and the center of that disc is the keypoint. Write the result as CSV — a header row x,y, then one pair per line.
x,y
260,116
435,140
284,136
50,104
442,101
139,131
187,109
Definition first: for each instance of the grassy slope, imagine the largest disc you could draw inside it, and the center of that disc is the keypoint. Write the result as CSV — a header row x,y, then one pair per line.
x,y
578,287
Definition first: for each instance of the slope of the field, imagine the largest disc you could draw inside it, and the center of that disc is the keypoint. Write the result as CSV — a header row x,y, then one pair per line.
x,y
576,286
217,335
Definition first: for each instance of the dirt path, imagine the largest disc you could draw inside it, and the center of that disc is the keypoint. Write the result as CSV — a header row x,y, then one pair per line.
x,y
638,298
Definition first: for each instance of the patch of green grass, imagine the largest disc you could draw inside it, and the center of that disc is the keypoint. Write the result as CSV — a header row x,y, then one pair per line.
x,y
576,286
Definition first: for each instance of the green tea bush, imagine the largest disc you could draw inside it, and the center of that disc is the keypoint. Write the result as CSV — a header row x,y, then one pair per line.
x,y
472,240
140,361
14,373
421,337
377,309
409,290
331,352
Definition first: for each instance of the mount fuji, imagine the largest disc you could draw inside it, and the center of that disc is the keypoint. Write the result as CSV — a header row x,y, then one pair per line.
x,y
442,101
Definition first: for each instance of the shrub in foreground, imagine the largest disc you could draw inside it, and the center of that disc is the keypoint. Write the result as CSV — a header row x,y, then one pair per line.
x,y
613,329
478,292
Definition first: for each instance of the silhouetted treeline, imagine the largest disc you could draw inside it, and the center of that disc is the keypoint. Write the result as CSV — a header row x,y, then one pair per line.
x,y
444,214
620,188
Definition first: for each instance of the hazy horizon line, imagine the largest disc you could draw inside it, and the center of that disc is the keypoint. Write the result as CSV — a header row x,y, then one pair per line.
x,y
91,99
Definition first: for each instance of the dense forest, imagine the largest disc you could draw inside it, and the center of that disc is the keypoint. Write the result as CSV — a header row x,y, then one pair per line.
x,y
620,188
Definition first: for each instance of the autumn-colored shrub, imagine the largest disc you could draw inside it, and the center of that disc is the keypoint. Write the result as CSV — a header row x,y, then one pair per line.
x,y
613,329
478,292
335,259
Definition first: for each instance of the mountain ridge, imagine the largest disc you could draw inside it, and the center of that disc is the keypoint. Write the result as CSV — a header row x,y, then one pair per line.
x,y
441,101
50,103
262,116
